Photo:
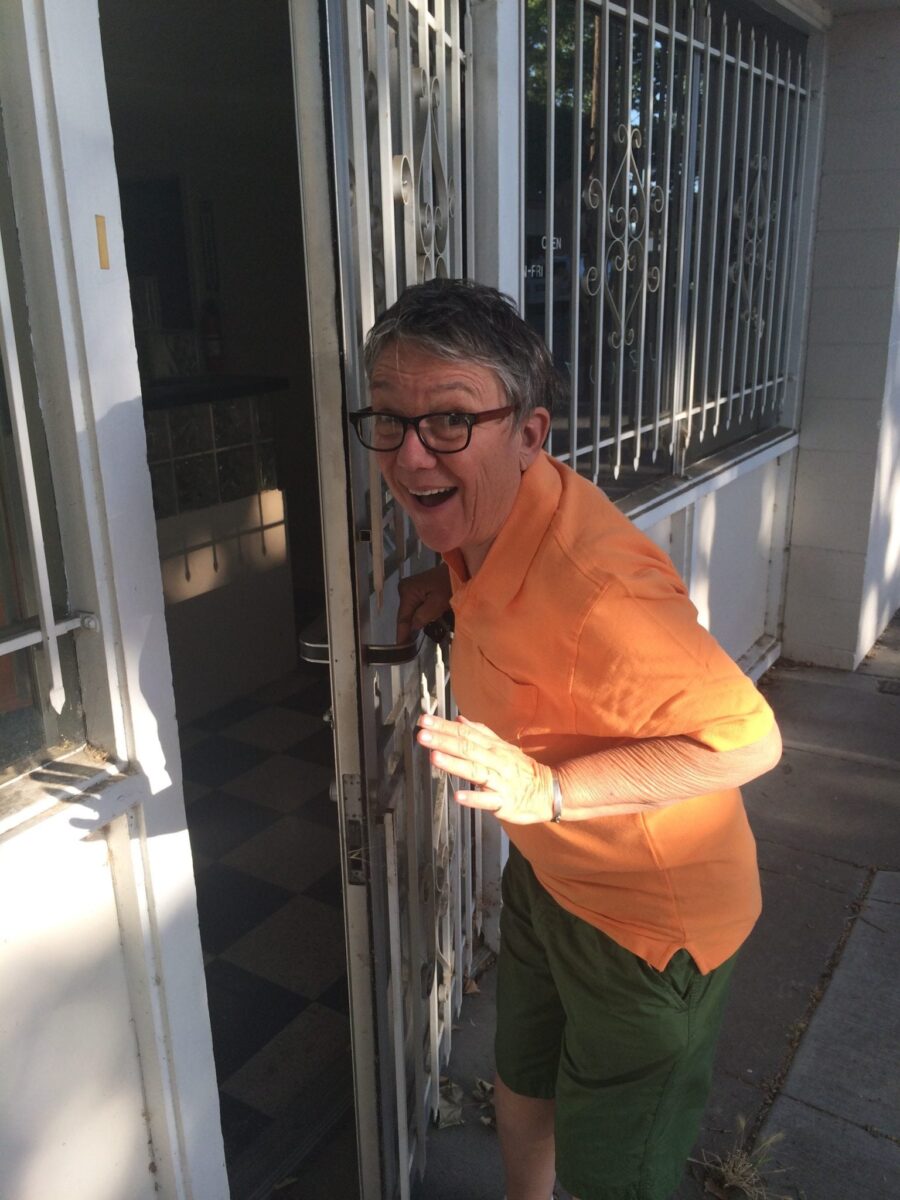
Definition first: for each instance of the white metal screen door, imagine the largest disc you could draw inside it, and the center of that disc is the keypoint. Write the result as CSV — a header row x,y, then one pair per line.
x,y
381,114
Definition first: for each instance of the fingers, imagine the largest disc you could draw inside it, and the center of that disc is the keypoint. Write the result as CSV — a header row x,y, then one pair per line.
x,y
475,725
486,801
423,598
463,768
416,611
462,749
461,731
404,628
408,616
506,781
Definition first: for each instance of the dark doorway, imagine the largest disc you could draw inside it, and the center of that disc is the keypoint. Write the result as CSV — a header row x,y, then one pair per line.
x,y
202,106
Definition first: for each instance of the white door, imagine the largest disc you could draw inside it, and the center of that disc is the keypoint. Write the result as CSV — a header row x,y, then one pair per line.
x,y
381,113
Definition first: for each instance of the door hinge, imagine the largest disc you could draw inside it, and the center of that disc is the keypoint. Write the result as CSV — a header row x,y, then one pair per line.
x,y
354,841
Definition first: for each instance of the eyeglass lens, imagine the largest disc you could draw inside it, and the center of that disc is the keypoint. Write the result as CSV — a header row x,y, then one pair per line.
x,y
442,432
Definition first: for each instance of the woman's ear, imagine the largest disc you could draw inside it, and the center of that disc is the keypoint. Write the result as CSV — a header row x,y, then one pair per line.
x,y
533,432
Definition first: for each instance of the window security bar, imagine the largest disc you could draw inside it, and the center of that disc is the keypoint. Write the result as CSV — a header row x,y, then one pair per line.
x,y
50,630
28,633
669,299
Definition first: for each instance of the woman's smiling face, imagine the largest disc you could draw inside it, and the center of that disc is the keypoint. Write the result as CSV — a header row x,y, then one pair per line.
x,y
456,501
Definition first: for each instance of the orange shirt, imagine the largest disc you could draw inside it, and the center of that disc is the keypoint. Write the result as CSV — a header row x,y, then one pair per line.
x,y
577,634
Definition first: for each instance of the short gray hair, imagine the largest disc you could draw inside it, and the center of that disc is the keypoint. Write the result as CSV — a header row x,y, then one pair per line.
x,y
464,321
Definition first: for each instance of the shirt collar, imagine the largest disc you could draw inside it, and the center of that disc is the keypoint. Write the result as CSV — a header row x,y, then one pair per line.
x,y
503,571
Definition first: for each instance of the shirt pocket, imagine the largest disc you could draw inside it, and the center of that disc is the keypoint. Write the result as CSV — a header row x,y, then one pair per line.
x,y
495,699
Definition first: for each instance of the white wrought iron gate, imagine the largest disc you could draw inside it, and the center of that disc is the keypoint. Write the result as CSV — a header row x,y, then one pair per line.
x,y
381,109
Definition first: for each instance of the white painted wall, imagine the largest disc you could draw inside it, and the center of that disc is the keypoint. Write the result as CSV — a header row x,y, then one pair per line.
x,y
844,572
496,257
881,580
498,193
72,1109
727,543
732,548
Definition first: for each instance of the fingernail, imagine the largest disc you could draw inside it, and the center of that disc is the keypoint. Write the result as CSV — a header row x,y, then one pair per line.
x,y
426,721
424,737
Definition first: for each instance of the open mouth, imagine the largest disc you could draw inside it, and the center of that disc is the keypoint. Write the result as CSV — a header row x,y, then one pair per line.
x,y
433,497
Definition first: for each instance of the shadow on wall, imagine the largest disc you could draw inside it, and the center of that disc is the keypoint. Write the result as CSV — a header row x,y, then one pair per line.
x,y
881,596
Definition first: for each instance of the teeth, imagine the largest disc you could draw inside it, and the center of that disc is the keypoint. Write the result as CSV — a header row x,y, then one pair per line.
x,y
428,491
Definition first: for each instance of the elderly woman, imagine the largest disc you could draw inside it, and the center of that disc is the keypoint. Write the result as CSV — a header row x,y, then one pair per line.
x,y
605,729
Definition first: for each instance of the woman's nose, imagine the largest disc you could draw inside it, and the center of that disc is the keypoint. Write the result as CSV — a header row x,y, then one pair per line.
x,y
412,453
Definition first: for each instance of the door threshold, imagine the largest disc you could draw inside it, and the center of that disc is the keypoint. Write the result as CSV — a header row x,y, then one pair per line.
x,y
281,1149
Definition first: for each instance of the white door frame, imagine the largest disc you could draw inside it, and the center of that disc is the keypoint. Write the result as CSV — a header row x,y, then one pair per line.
x,y
64,179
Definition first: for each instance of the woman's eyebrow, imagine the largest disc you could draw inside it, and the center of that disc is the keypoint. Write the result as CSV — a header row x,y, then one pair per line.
x,y
452,385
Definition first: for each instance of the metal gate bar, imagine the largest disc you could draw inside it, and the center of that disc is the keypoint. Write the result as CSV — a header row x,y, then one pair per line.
x,y
50,629
681,251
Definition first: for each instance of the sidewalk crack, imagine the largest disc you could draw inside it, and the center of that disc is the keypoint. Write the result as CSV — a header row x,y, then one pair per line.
x,y
873,1130
845,862
773,1087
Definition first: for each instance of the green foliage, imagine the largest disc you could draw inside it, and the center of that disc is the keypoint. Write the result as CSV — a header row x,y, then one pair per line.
x,y
536,21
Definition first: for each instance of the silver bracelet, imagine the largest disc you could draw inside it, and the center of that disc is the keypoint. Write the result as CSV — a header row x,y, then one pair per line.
x,y
557,799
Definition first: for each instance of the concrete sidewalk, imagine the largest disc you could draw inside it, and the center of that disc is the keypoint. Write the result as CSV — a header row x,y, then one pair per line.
x,y
810,1049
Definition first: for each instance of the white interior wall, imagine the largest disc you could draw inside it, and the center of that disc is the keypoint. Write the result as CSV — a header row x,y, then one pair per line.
x,y
844,571
203,91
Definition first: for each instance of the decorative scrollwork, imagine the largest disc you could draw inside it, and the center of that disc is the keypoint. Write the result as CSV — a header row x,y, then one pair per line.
x,y
624,210
403,180
745,266
592,195
434,198
418,189
591,281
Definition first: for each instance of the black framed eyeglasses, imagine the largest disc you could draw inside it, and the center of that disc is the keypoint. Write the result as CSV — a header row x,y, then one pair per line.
x,y
440,432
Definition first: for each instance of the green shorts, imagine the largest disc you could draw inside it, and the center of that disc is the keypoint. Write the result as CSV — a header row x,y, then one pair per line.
x,y
625,1050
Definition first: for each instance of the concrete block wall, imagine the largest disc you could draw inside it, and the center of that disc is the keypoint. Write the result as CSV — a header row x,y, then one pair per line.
x,y
844,569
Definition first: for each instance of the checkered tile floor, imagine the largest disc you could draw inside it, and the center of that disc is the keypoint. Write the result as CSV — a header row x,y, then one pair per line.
x,y
266,858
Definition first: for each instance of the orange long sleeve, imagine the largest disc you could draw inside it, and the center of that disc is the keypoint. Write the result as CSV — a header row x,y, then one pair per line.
x,y
656,772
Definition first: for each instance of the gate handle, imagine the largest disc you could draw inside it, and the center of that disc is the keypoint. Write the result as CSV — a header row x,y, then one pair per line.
x,y
314,644
388,654
401,652
314,641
